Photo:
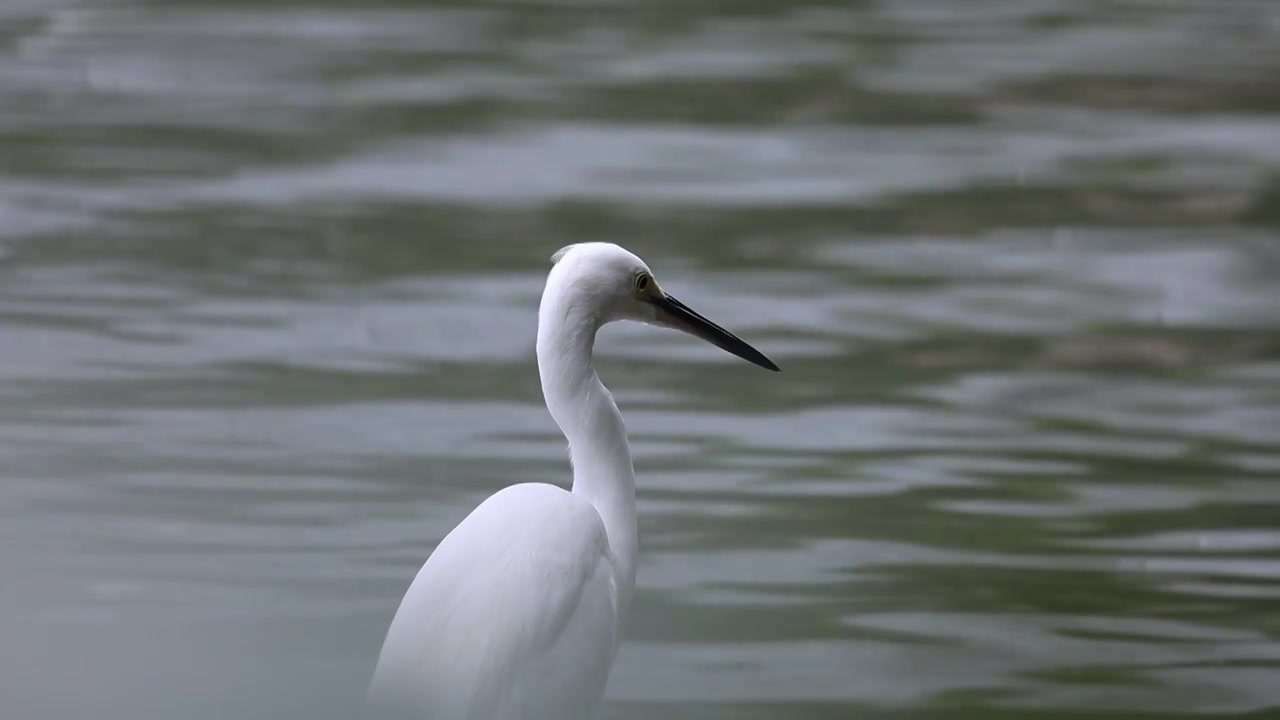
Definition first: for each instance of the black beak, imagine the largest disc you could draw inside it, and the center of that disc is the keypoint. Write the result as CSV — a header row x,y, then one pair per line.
x,y
675,314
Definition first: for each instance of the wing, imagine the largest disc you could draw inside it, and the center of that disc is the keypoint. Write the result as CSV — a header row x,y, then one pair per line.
x,y
512,617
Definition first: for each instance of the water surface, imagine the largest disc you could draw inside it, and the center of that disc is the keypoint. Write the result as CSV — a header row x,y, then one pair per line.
x,y
268,285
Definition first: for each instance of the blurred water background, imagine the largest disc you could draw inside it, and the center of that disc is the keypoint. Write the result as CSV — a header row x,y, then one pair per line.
x,y
268,285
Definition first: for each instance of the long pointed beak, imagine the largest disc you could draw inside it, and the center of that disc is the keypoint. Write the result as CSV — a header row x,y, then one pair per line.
x,y
675,314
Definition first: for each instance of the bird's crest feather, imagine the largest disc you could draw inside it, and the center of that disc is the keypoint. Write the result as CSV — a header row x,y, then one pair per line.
x,y
558,255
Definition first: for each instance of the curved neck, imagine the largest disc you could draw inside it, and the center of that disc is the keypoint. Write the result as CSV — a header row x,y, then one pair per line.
x,y
583,408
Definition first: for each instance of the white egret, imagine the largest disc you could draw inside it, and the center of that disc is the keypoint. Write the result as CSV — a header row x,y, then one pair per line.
x,y
519,612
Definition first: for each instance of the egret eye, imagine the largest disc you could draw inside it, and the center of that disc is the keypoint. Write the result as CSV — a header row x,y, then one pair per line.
x,y
642,281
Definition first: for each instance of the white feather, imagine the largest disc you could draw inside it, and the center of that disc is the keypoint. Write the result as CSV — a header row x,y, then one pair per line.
x,y
514,616
519,612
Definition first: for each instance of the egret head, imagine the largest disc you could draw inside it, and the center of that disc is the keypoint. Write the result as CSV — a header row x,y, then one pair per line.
x,y
608,283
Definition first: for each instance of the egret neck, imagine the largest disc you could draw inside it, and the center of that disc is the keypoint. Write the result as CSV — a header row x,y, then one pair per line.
x,y
583,408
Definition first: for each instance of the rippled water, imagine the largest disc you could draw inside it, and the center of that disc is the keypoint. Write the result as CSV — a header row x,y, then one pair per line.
x,y
268,279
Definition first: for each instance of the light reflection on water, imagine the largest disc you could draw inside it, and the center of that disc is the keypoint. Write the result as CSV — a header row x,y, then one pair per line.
x,y
268,280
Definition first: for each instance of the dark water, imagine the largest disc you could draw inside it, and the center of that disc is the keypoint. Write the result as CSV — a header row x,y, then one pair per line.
x,y
268,278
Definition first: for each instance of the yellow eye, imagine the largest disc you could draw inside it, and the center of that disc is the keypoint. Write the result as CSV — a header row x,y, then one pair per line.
x,y
642,281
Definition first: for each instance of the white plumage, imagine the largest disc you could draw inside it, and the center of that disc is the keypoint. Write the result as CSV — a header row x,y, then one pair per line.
x,y
519,612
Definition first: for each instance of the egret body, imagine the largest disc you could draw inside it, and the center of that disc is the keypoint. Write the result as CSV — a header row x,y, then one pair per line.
x,y
519,611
